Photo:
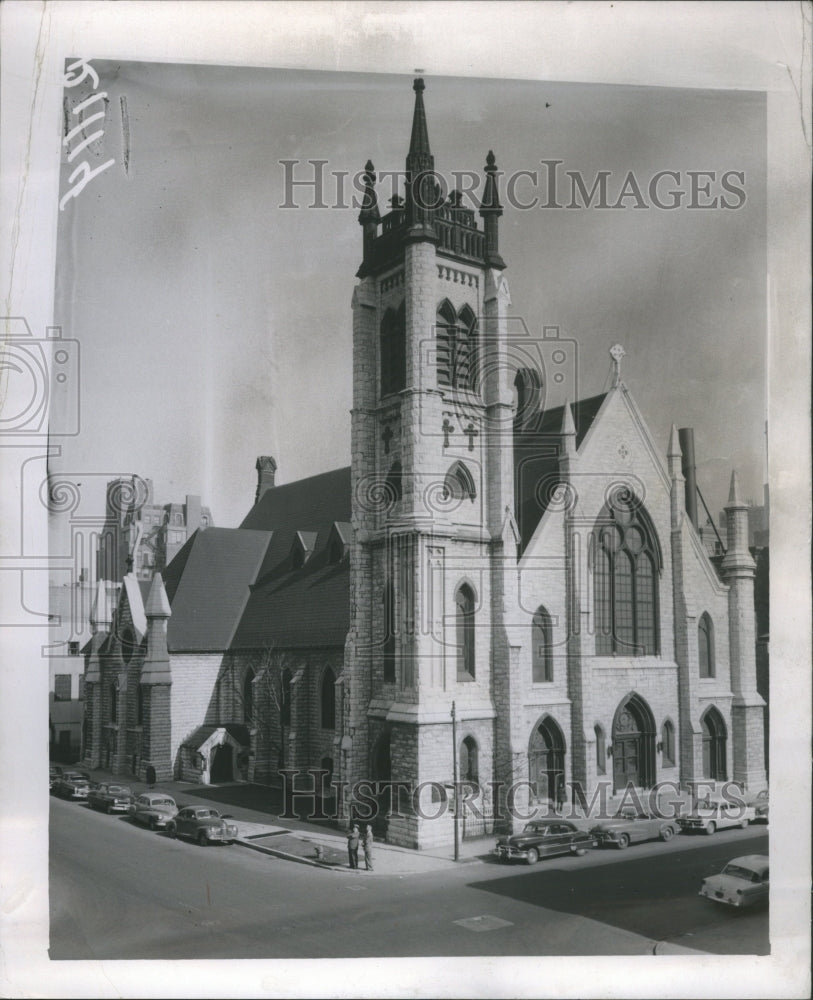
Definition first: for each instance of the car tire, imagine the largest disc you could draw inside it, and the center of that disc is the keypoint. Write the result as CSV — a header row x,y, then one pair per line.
x,y
579,851
623,842
109,810
667,833
172,831
711,829
153,823
533,856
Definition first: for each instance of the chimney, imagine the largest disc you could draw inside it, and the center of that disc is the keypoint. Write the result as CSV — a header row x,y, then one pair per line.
x,y
266,470
192,514
686,436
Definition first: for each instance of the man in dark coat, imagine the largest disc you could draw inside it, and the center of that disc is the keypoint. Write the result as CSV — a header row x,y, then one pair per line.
x,y
367,844
353,846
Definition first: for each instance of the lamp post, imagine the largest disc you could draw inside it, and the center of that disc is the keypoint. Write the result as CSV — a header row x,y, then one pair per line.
x,y
454,784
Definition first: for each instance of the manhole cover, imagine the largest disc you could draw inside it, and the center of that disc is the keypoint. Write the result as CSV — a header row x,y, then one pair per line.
x,y
484,923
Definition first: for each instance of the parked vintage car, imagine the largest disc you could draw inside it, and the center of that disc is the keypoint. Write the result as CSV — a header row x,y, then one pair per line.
x,y
110,798
205,825
630,825
712,815
543,838
55,772
743,882
153,809
71,785
761,807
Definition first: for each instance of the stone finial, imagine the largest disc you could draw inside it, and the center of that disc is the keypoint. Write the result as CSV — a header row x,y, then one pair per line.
x,y
617,352
369,213
673,451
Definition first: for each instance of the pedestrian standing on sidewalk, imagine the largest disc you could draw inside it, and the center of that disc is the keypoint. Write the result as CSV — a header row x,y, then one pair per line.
x,y
353,846
367,844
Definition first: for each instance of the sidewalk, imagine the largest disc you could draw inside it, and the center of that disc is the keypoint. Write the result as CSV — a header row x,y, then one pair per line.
x,y
296,840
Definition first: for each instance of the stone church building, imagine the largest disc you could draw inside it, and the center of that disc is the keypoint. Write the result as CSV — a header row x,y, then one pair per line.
x,y
538,569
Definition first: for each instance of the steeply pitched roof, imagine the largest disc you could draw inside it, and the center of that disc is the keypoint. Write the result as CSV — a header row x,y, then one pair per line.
x,y
536,460
309,606
208,586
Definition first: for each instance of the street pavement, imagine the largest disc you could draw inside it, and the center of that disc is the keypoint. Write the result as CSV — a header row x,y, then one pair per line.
x,y
120,891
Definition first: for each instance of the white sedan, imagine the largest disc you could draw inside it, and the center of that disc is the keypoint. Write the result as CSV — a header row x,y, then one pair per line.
x,y
743,882
711,815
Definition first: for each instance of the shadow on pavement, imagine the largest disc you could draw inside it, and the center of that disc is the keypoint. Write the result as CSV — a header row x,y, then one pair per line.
x,y
649,896
264,799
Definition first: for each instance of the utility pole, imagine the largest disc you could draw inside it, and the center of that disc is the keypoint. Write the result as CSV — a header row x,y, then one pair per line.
x,y
454,780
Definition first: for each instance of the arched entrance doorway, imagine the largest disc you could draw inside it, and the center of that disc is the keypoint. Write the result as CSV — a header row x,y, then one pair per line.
x,y
546,761
222,768
633,744
714,745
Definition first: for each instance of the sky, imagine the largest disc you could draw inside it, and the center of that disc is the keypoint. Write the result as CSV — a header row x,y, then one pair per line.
x,y
215,325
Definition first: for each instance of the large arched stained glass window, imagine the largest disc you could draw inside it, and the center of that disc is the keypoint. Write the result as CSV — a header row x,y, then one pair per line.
x,y
625,588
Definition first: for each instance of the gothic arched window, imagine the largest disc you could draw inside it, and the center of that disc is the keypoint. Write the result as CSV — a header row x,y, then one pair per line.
x,y
625,588
459,484
393,350
464,620
456,346
705,645
328,699
114,703
541,647
469,761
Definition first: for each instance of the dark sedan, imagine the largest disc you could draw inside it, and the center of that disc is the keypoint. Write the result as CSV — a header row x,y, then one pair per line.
x,y
202,824
544,838
110,798
71,785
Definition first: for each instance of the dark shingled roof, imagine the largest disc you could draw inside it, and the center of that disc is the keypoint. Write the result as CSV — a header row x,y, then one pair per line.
x,y
208,586
536,460
309,606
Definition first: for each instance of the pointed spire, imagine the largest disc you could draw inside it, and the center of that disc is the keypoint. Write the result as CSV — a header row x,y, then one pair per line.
x,y
734,498
490,211
422,193
568,430
419,151
568,424
157,601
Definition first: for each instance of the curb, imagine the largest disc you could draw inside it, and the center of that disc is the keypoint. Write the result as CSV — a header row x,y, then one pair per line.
x,y
287,857
667,948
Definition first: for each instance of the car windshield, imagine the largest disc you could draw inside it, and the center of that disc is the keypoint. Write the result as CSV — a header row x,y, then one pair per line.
x,y
118,790
629,814
161,802
743,873
206,814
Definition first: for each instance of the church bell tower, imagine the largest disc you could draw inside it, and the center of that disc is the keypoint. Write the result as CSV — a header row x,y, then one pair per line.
x,y
432,500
